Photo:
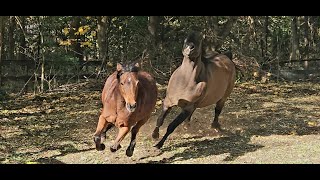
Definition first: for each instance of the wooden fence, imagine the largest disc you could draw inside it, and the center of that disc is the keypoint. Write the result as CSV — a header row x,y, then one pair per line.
x,y
15,74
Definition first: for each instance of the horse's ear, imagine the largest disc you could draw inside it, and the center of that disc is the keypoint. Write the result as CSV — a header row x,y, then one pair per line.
x,y
137,65
119,67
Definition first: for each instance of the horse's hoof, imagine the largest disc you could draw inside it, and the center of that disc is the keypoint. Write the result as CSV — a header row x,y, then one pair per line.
x,y
129,153
216,126
114,149
155,135
101,147
158,146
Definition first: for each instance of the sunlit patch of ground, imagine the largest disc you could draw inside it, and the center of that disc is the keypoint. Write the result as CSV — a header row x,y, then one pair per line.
x,y
263,123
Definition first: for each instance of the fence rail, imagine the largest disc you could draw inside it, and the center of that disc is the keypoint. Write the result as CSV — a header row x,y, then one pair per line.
x,y
16,73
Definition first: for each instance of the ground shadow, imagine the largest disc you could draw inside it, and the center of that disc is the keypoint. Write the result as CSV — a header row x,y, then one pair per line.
x,y
270,110
66,123
234,146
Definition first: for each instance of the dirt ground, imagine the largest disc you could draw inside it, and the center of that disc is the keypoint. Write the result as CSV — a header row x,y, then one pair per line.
x,y
263,124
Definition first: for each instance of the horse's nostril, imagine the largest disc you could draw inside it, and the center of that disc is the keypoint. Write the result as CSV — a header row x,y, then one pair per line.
x,y
132,106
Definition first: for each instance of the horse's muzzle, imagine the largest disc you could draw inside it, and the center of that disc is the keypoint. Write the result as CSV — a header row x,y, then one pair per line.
x,y
131,107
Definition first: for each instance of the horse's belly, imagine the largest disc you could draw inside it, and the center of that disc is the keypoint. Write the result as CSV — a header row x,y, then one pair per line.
x,y
175,96
207,101
212,94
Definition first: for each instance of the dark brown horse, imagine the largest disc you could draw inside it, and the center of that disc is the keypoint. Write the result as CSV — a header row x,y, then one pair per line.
x,y
128,97
201,80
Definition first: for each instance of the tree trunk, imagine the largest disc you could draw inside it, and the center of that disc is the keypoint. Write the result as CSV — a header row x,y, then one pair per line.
x,y
294,39
153,28
22,40
314,20
306,40
266,36
102,38
225,31
41,56
2,25
12,23
76,48
213,23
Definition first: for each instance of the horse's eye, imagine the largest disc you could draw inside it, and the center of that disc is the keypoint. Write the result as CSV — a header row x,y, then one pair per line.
x,y
121,83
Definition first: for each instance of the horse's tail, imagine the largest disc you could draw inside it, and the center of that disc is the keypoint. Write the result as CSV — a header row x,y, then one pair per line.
x,y
229,55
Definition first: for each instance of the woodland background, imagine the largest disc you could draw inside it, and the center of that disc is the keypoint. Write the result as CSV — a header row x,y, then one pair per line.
x,y
41,53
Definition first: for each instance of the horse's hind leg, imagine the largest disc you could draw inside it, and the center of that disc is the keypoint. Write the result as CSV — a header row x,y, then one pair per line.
x,y
189,117
165,111
134,132
172,126
220,104
215,123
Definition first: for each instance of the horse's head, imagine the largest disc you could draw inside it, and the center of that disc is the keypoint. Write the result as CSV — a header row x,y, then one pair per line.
x,y
192,46
128,84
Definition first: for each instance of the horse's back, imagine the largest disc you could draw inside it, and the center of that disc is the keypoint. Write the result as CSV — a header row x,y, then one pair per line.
x,y
148,84
109,85
148,92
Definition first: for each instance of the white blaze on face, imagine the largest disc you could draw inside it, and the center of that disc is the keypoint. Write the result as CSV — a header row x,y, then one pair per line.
x,y
129,108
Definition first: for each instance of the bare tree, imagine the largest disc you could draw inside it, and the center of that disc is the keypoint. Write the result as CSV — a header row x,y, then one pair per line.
x,y
219,30
153,28
294,39
2,25
76,48
22,39
11,29
102,37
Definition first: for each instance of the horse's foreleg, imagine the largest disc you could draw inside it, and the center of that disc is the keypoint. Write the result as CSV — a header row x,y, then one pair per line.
x,y
172,126
134,132
102,125
165,111
105,130
123,130
215,123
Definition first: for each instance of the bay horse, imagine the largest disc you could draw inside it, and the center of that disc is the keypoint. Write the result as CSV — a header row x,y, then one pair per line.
x,y
201,80
128,97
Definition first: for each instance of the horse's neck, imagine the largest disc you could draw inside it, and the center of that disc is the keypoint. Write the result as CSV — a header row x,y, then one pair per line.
x,y
192,68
